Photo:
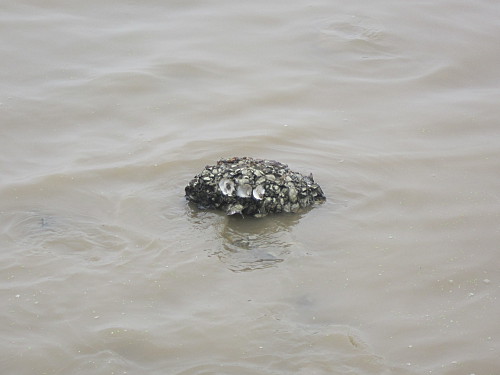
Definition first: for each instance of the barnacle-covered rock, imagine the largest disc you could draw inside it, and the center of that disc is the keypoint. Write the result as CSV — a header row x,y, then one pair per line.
x,y
253,187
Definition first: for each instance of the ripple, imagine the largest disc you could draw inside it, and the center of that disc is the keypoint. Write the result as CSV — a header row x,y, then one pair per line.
x,y
360,47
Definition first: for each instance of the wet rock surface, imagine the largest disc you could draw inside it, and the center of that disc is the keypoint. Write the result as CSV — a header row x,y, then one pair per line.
x,y
253,187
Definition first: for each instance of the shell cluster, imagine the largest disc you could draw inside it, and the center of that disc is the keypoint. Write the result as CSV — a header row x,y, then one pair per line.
x,y
253,187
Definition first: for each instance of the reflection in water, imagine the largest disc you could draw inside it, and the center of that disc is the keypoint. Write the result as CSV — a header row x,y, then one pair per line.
x,y
248,243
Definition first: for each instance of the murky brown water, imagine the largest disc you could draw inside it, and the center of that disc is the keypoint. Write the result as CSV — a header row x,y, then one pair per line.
x,y
108,109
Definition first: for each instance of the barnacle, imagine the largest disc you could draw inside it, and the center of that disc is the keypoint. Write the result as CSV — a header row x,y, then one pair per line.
x,y
253,187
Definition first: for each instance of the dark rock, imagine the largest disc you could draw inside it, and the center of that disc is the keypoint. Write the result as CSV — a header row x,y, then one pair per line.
x,y
253,187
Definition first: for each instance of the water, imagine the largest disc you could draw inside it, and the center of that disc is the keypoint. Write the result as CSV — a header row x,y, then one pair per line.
x,y
107,110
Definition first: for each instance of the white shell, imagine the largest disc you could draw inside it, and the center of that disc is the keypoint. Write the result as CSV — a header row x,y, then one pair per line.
x,y
258,192
234,209
292,194
244,191
226,186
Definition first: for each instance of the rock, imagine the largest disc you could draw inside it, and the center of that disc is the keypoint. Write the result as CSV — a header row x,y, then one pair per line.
x,y
253,187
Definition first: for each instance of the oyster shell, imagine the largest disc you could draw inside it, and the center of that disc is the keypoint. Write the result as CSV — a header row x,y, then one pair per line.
x,y
244,191
234,209
226,186
253,187
258,192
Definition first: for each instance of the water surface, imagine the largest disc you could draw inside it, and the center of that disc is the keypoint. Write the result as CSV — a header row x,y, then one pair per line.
x,y
107,110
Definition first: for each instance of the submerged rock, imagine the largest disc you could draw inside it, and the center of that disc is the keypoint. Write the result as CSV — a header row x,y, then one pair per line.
x,y
253,187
